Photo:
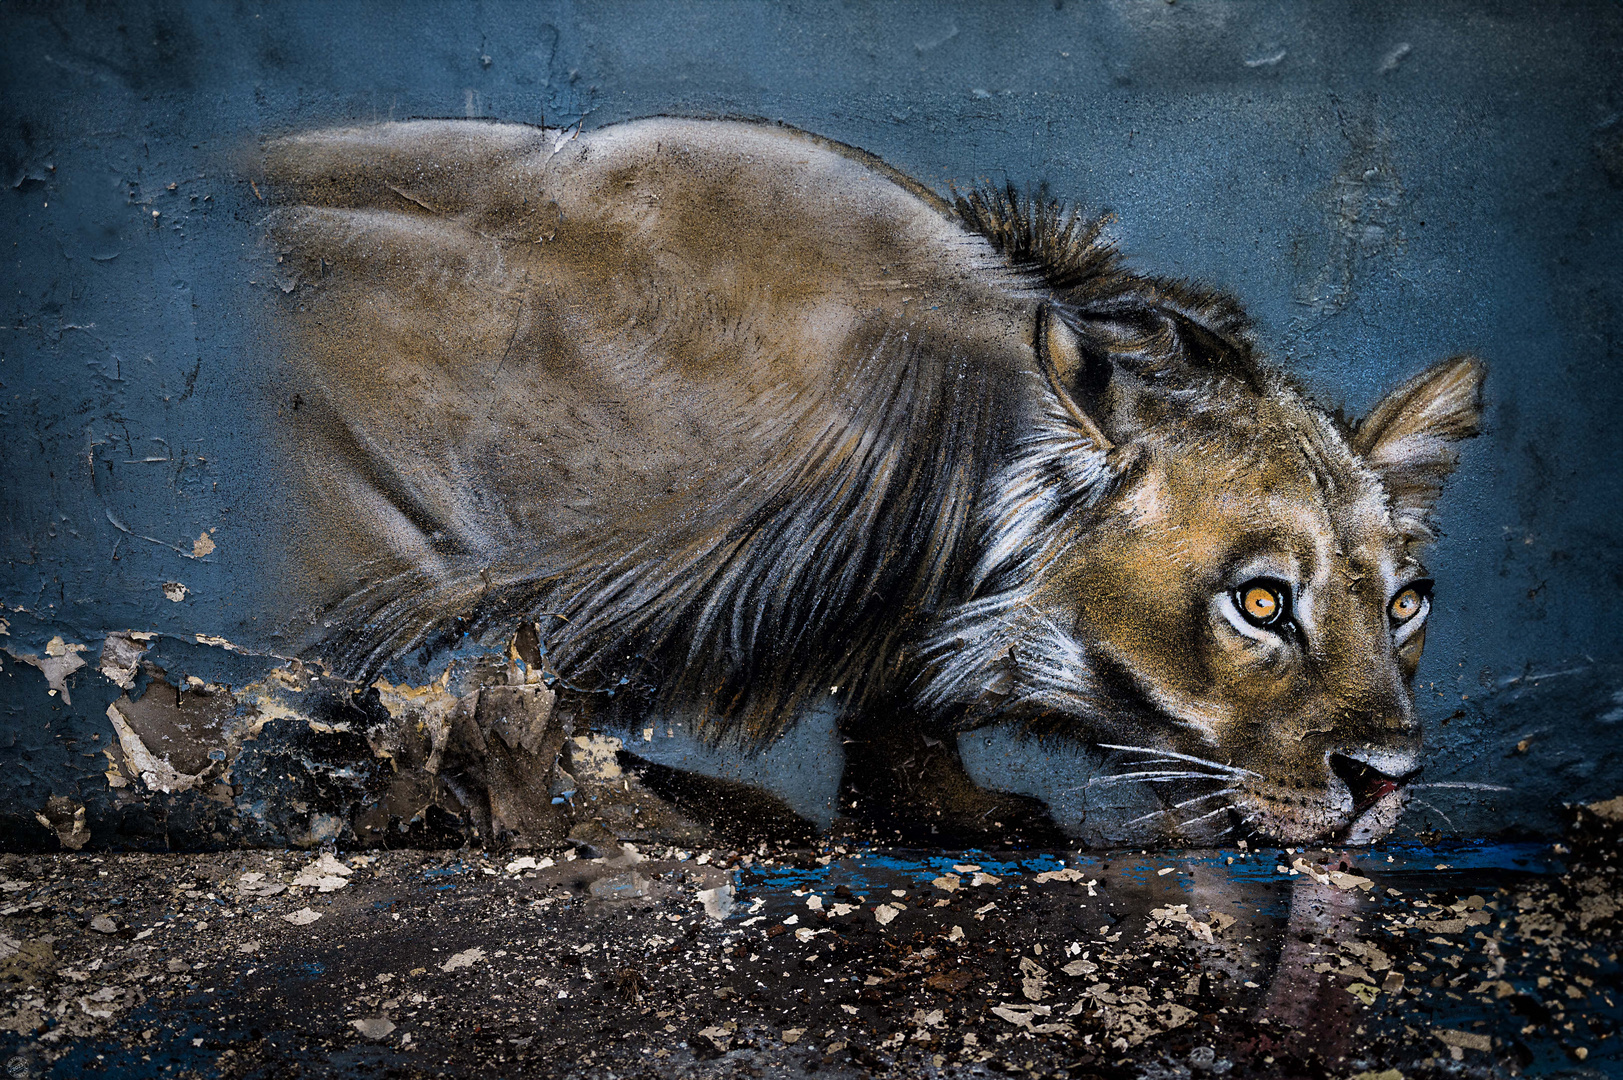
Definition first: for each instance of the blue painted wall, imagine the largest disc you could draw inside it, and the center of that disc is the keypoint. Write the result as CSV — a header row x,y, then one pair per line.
x,y
1381,184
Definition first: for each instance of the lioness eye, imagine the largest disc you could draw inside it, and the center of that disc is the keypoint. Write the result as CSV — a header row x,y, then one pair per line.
x,y
1409,602
1261,602
1405,604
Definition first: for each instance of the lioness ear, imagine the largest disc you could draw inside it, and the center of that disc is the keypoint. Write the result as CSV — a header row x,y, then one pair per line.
x,y
1064,364
1409,437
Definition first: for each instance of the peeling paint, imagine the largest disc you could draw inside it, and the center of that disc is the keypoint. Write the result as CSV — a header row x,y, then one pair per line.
x,y
114,774
264,698
60,660
429,707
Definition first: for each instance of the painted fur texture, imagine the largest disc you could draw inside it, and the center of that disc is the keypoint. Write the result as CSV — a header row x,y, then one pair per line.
x,y
748,424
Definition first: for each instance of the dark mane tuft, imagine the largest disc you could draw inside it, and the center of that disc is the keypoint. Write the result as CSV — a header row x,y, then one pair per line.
x,y
1043,235
1158,328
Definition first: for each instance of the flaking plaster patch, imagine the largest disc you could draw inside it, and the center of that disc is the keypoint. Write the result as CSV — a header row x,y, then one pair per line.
x,y
323,827
120,656
115,774
1609,810
595,757
175,591
66,818
264,698
203,545
157,773
429,706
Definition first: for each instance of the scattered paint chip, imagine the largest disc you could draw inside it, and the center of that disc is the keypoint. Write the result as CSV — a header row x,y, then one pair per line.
x,y
326,874
1067,874
465,959
1466,1040
718,902
373,1027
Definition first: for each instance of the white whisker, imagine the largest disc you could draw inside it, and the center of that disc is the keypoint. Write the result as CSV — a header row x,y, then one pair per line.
x,y
1428,806
1183,757
1163,772
1188,802
1462,786
1149,778
1203,817
1203,798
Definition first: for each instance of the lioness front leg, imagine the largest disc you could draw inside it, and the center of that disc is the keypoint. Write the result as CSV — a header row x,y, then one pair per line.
x,y
905,781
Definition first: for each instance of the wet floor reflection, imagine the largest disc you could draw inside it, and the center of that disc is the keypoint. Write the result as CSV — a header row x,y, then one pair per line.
x,y
1474,959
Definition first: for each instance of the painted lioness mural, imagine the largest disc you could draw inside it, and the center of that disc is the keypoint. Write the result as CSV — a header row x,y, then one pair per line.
x,y
742,427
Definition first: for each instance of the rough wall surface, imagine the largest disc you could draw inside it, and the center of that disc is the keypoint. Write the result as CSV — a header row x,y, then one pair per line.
x,y
1380,185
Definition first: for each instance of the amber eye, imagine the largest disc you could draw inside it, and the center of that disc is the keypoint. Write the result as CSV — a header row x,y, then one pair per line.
x,y
1409,602
1263,603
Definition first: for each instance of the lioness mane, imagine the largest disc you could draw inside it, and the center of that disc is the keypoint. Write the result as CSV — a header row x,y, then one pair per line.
x,y
1194,346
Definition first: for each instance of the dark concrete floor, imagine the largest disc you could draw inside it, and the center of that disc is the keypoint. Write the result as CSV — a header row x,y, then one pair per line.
x,y
1469,960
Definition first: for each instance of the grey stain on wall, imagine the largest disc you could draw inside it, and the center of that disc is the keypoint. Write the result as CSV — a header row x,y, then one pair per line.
x,y
135,393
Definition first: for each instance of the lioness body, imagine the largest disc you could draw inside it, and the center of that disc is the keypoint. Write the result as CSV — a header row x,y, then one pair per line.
x,y
750,418
678,311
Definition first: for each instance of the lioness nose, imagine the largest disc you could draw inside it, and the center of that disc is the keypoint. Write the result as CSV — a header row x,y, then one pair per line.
x,y
1371,774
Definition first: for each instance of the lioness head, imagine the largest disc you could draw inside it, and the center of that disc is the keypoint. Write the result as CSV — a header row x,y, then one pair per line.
x,y
1213,581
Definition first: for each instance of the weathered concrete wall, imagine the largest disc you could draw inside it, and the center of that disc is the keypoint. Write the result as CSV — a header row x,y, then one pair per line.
x,y
1382,185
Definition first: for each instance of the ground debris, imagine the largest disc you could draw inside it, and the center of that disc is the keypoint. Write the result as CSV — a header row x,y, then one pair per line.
x,y
464,959
326,874
373,1027
859,962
